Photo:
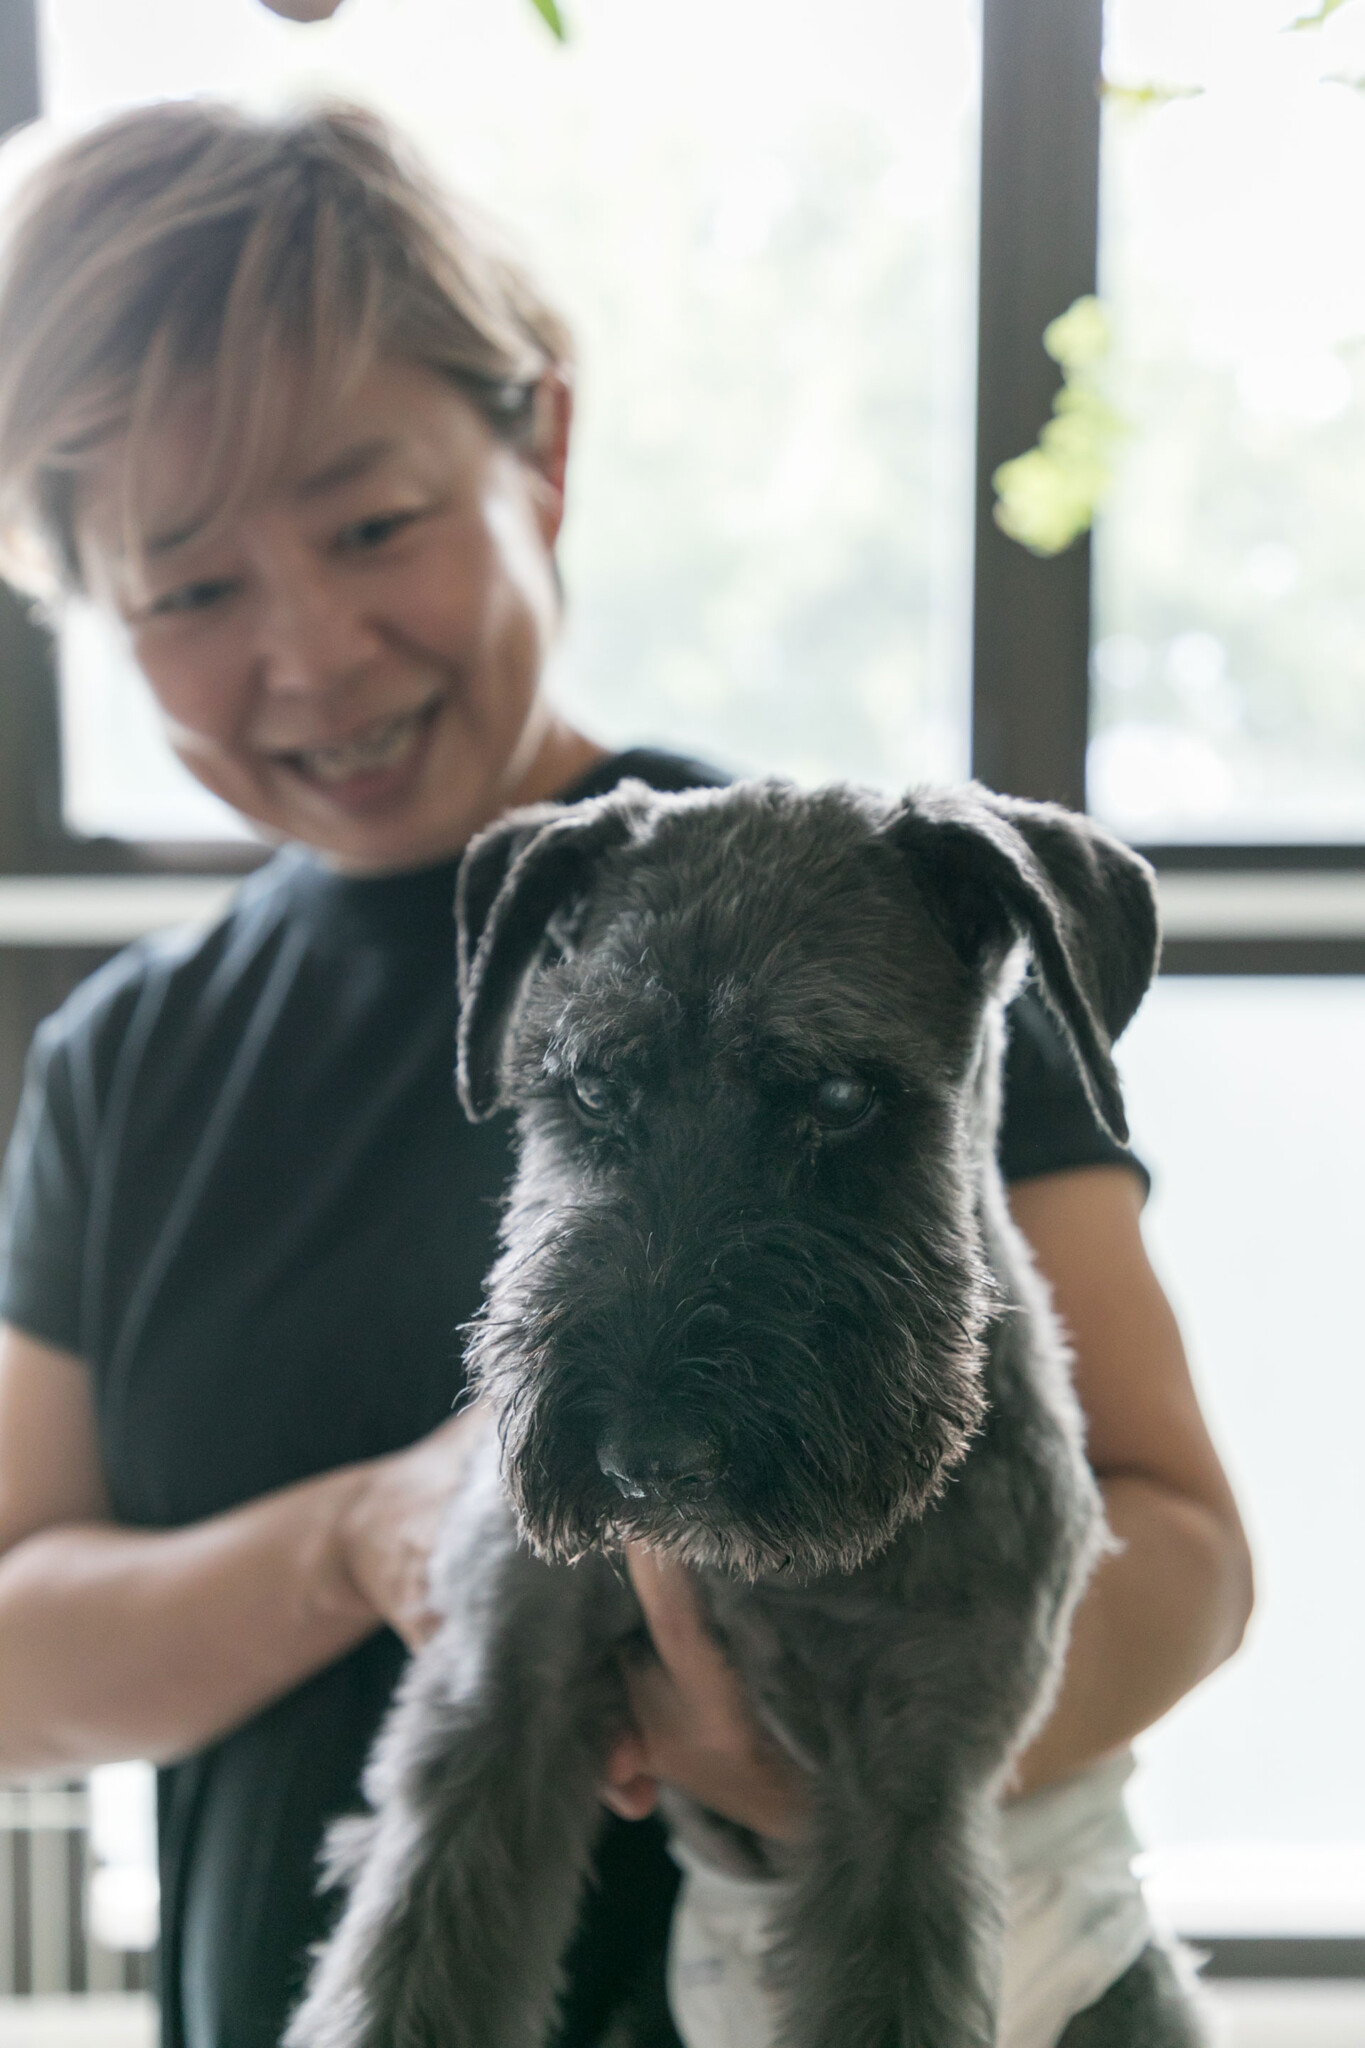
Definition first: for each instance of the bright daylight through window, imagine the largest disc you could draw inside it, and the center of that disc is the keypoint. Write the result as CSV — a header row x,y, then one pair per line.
x,y
1250,1789
768,253
1229,661
1229,705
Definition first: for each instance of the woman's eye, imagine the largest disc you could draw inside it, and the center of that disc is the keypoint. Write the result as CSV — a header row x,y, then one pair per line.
x,y
592,1096
192,597
842,1100
367,534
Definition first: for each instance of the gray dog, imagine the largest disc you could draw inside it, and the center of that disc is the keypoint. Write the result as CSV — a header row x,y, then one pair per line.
x,y
761,1305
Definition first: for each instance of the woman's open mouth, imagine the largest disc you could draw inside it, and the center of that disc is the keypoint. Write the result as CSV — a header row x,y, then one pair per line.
x,y
370,764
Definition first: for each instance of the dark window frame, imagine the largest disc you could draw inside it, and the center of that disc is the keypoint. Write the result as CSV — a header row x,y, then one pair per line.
x,y
34,839
1041,62
1040,158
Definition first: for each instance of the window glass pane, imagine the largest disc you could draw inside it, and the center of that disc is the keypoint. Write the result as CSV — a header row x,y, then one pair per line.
x,y
1247,1103
1230,603
764,231
119,777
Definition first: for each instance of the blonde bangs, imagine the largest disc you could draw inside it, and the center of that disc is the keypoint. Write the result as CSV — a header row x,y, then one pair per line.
x,y
185,254
296,331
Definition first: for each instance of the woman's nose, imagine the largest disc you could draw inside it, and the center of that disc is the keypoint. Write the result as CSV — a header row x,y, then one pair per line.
x,y
312,633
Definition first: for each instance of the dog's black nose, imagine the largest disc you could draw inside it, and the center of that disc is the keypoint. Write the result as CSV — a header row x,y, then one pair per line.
x,y
659,1467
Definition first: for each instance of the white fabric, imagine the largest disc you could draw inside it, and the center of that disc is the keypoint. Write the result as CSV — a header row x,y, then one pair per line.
x,y
1074,1920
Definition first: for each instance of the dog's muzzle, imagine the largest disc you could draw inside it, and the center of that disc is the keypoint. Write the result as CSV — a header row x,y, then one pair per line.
x,y
676,1469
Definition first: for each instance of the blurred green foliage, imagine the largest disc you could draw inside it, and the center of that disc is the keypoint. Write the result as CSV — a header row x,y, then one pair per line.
x,y
551,16
1144,98
1317,18
1047,498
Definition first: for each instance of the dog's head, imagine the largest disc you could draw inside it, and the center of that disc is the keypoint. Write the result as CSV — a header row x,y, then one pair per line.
x,y
741,1303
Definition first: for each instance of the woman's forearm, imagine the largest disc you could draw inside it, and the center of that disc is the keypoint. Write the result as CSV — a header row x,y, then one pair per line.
x,y
1164,1609
119,1642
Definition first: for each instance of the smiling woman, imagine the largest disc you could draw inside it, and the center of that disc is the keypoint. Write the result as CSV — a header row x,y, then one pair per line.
x,y
346,646
351,657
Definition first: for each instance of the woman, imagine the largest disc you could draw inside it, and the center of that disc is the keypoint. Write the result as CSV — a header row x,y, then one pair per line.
x,y
305,431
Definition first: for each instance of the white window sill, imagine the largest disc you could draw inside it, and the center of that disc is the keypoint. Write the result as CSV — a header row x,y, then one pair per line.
x,y
105,910
105,2020
109,910
1263,906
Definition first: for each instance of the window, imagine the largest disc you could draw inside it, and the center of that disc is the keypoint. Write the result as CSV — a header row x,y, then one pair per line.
x,y
770,263
1230,654
796,201
1243,1093
1227,732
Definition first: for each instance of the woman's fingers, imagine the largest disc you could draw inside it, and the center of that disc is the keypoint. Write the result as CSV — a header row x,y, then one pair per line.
x,y
705,1697
693,1727
395,1516
628,1787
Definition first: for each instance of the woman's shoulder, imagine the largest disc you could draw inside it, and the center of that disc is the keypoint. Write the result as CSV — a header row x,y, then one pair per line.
x,y
1048,1122
172,966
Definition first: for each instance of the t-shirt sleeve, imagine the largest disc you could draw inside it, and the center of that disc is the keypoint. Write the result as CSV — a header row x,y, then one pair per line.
x,y
1047,1124
44,1200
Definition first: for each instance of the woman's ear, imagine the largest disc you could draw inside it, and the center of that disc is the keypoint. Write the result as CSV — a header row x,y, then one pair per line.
x,y
547,452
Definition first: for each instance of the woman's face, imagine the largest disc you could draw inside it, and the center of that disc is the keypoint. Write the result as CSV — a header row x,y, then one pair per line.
x,y
353,659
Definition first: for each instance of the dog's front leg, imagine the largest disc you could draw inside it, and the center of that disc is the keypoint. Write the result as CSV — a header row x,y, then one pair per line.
x,y
465,1882
891,1936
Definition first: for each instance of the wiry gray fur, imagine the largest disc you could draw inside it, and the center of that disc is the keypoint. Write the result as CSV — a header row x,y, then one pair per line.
x,y
813,1361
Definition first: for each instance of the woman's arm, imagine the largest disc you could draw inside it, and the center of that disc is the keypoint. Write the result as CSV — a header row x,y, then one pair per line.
x,y
119,1642
1172,1602
1161,1612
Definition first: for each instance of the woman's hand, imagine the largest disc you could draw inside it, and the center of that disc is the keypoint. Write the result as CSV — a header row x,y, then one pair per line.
x,y
693,1725
119,1642
390,1525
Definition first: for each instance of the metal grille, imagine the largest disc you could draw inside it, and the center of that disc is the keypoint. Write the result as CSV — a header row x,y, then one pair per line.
x,y
45,1944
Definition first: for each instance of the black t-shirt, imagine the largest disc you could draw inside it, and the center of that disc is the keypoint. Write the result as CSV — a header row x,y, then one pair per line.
x,y
241,1188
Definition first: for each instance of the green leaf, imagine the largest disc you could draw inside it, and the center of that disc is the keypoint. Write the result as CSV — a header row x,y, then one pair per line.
x,y
554,20
1047,497
1316,19
1147,97
1080,337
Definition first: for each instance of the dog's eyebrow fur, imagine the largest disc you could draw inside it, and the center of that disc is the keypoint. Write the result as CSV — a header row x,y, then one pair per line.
x,y
610,1019
808,1055
794,1019
808,1022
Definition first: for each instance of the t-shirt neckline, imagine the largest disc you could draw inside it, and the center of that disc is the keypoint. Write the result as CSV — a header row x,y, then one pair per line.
x,y
415,906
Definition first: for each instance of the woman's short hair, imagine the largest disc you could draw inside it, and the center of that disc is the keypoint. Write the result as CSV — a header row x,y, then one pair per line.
x,y
191,245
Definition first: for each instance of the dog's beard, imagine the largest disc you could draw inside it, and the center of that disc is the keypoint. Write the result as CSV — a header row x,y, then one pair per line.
x,y
841,1373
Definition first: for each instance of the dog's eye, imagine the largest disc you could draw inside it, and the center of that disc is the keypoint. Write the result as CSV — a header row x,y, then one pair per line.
x,y
842,1100
592,1096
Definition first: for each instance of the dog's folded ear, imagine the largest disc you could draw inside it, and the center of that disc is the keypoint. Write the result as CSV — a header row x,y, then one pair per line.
x,y
995,868
518,887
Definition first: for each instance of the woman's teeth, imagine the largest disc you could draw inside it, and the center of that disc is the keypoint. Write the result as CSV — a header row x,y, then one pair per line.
x,y
383,746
